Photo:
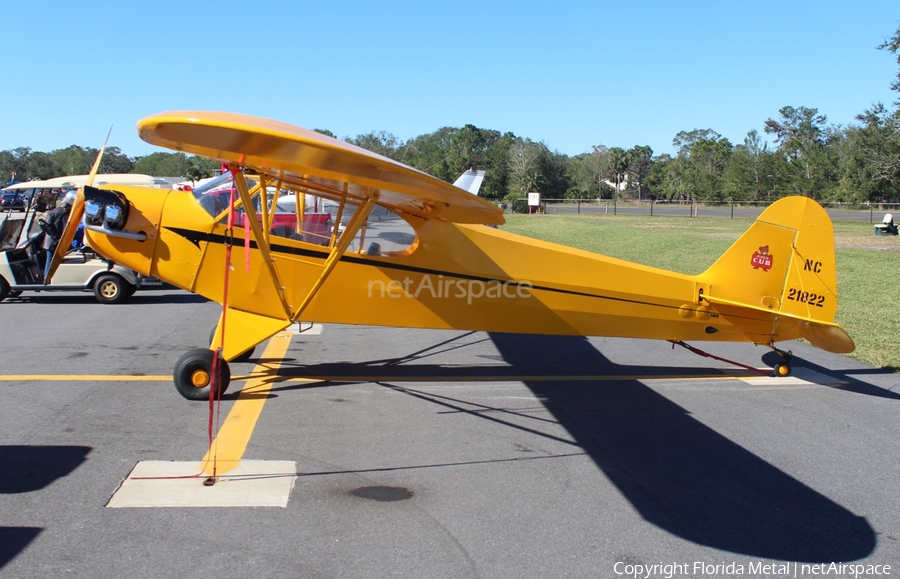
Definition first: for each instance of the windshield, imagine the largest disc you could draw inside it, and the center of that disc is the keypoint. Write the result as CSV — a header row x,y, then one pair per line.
x,y
223,181
216,195
321,222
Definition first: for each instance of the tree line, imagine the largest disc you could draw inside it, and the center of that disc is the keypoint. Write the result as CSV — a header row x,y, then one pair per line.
x,y
856,164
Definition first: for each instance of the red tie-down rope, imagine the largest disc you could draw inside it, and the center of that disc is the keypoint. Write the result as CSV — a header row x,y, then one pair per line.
x,y
215,396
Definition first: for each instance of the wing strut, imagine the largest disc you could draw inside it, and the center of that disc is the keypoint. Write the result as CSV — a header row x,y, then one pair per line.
x,y
337,251
261,241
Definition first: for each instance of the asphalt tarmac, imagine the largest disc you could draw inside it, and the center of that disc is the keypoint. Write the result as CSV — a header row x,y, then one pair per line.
x,y
434,454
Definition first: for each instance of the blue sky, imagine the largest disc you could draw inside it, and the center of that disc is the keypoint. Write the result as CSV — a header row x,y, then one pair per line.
x,y
569,73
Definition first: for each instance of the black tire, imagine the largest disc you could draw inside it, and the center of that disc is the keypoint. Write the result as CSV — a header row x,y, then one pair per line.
x,y
782,369
4,288
193,374
110,289
242,357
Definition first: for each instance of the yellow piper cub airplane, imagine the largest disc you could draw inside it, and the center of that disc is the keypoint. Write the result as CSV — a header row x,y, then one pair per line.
x,y
430,261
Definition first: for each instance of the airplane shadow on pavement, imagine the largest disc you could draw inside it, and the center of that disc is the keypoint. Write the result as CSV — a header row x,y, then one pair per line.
x,y
27,469
681,475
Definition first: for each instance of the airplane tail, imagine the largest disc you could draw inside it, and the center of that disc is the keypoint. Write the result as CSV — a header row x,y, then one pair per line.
x,y
470,181
784,264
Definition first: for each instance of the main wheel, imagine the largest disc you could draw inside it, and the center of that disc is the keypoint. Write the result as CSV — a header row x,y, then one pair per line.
x,y
110,289
245,355
242,357
194,371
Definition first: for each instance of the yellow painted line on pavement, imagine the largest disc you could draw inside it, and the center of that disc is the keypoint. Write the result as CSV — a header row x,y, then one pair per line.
x,y
231,441
523,378
81,378
264,373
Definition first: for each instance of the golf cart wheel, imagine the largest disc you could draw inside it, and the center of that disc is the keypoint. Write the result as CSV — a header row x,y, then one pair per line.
x,y
4,288
110,289
194,372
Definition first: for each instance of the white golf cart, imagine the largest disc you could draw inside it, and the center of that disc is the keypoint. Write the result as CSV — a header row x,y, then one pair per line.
x,y
22,268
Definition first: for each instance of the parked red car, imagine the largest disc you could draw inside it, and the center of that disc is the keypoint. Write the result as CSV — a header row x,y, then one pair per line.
x,y
315,228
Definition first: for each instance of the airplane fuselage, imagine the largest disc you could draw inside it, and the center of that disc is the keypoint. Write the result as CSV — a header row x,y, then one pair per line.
x,y
453,276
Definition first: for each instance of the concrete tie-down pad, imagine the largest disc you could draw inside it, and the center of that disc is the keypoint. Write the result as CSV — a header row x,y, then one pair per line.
x,y
252,483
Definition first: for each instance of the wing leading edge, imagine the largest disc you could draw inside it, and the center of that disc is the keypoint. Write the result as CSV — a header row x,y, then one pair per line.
x,y
321,164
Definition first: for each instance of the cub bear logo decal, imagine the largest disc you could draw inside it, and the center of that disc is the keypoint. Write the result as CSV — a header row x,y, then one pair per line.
x,y
761,259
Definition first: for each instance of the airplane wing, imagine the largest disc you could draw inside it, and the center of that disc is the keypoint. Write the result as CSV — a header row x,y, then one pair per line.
x,y
316,163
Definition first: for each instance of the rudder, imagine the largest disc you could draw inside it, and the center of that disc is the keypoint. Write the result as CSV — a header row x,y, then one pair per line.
x,y
784,262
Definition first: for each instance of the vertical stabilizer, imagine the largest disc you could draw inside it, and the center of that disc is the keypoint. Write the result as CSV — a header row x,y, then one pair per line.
x,y
784,263
470,181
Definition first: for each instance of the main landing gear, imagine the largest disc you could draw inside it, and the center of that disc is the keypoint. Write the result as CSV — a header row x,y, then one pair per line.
x,y
194,372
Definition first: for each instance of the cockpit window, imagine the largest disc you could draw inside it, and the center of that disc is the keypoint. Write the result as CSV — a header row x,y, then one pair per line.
x,y
216,195
321,222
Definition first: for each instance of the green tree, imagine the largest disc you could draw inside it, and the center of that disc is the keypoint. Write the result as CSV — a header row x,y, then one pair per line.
x,y
524,166
496,166
892,45
640,161
708,160
380,142
13,164
113,161
73,160
581,172
870,170
554,174
428,153
164,165
616,167
40,165
801,137
468,146
698,169
667,178
748,175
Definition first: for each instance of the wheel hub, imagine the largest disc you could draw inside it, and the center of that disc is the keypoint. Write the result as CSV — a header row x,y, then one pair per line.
x,y
200,379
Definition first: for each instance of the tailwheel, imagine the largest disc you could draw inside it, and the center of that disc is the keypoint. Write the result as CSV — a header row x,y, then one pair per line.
x,y
783,368
194,372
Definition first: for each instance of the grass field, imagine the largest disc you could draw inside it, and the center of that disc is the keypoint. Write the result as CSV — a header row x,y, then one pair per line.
x,y
868,266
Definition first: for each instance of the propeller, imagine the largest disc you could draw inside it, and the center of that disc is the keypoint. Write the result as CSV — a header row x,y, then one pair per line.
x,y
75,215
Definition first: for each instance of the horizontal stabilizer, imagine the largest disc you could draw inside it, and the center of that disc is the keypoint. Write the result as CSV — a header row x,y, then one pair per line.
x,y
831,338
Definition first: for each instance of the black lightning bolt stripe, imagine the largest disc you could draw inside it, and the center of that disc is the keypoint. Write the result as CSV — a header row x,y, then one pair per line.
x,y
196,237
